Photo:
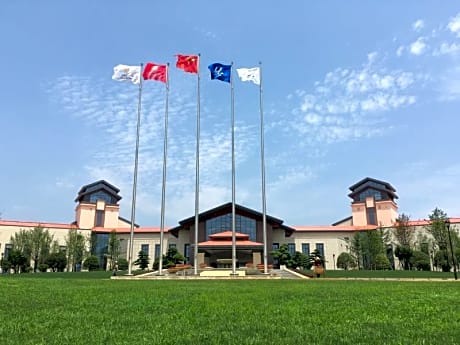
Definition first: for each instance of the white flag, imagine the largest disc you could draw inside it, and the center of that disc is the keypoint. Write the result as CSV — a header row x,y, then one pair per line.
x,y
249,74
124,72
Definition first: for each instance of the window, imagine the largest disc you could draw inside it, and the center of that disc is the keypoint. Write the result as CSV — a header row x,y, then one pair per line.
x,y
275,246
306,249
291,248
157,251
145,248
320,248
222,223
187,251
99,218
100,248
172,245
377,195
371,216
8,248
100,196
63,248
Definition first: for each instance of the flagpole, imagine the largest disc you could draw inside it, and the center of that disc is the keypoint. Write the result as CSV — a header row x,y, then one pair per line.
x,y
197,170
262,162
163,185
136,159
233,173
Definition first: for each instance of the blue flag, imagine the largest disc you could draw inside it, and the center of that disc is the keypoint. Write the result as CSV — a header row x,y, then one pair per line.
x,y
220,72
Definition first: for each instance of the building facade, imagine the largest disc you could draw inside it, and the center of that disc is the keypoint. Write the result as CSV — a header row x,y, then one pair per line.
x,y
97,214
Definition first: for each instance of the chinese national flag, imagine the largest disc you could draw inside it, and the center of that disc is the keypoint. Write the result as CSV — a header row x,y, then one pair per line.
x,y
153,71
188,63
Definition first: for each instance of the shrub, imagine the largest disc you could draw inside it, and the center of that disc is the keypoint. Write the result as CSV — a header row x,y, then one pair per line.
x,y
346,261
382,262
91,263
122,264
421,261
142,260
43,267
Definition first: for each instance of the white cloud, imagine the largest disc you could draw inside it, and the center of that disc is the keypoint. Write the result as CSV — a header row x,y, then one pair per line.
x,y
454,25
418,47
348,104
400,50
109,110
418,25
447,49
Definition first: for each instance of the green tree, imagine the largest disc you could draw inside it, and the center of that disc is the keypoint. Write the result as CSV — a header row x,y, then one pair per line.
x,y
57,261
122,264
142,260
299,260
437,228
403,232
5,265
421,261
33,244
170,259
76,245
441,260
366,245
18,262
316,257
346,261
113,249
381,262
404,255
356,247
282,254
41,241
91,263
21,242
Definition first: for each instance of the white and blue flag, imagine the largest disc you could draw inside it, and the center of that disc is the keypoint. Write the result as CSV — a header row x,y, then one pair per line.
x,y
249,74
127,73
220,72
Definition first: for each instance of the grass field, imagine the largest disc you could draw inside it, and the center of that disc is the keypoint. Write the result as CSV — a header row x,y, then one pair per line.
x,y
81,309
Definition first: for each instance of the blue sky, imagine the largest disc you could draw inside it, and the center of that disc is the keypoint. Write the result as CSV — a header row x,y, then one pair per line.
x,y
351,89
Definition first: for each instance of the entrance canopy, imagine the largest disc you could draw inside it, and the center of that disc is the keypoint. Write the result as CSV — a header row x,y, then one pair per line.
x,y
224,240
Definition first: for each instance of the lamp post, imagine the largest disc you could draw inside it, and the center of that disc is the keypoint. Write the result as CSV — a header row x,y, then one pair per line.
x,y
451,249
333,260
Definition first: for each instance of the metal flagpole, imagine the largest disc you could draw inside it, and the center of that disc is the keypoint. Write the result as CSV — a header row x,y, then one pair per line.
x,y
197,171
163,185
233,173
262,162
136,159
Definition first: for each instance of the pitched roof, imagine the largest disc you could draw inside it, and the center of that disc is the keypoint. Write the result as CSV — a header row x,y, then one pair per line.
x,y
140,230
332,228
370,179
30,224
96,186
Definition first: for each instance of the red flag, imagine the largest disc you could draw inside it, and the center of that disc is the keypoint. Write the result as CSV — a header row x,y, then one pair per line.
x,y
153,71
188,63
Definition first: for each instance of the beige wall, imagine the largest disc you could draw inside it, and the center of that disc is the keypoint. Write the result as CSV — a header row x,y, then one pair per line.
x,y
335,242
111,216
358,212
85,215
59,234
387,212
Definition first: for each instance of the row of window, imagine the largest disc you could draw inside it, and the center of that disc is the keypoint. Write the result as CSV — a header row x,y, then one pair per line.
x,y
291,247
305,248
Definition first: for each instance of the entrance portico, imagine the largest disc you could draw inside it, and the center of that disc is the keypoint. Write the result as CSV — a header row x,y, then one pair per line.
x,y
218,250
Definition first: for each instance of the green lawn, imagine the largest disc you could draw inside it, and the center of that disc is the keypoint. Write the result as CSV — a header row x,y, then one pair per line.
x,y
84,310
389,274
